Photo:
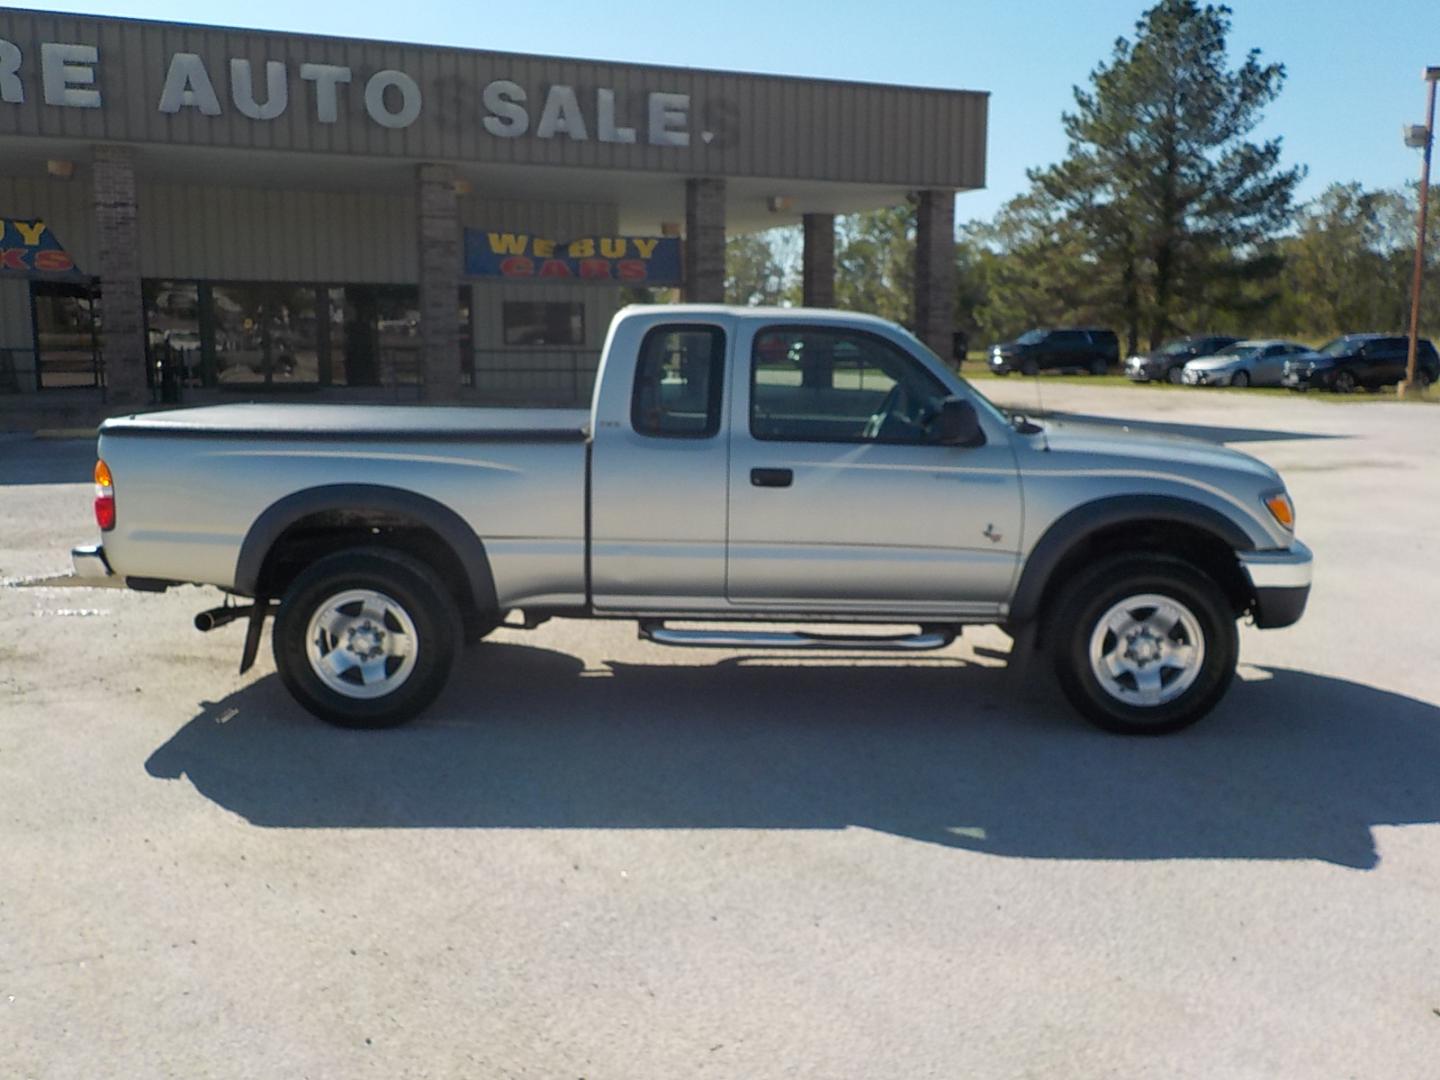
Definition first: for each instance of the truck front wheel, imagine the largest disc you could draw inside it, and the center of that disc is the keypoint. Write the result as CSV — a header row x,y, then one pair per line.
x,y
366,638
1143,645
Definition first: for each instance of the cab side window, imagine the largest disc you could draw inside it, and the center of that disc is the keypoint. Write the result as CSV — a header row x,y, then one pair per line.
x,y
821,385
678,382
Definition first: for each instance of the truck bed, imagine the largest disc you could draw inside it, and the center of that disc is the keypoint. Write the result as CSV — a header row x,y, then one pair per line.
x,y
190,483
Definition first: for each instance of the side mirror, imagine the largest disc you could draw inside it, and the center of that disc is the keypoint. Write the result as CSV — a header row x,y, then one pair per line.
x,y
957,424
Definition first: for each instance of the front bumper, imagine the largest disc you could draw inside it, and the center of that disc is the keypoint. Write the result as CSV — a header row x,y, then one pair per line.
x,y
1206,378
1307,380
1281,582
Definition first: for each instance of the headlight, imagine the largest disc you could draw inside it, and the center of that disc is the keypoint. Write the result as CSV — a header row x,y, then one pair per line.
x,y
1281,509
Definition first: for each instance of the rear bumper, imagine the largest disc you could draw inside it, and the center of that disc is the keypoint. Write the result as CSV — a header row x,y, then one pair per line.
x,y
1281,582
90,563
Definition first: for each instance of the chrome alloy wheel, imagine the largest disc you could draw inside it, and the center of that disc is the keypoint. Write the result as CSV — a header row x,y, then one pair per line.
x,y
361,643
1147,650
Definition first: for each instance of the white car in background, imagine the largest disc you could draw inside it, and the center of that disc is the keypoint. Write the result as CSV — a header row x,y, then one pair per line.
x,y
1246,363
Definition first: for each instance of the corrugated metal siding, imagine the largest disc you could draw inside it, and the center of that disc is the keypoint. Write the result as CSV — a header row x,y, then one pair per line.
x,y
15,329
253,234
761,126
64,205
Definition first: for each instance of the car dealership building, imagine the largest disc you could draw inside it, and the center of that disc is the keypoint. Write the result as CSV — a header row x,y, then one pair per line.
x,y
191,213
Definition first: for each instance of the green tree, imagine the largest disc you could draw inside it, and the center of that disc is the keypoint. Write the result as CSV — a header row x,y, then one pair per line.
x,y
762,268
1035,269
875,262
1174,204
1335,265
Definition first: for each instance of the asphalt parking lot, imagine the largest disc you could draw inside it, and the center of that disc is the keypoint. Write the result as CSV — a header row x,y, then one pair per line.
x,y
599,858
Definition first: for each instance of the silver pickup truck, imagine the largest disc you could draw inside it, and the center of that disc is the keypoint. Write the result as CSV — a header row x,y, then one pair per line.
x,y
738,467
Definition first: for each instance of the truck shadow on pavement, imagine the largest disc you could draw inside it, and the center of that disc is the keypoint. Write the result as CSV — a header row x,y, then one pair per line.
x,y
1290,766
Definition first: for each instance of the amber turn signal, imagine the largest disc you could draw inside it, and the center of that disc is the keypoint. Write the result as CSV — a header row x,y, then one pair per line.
x,y
1281,509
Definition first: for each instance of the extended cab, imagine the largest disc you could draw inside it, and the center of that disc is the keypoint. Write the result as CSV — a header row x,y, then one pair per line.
x,y
738,466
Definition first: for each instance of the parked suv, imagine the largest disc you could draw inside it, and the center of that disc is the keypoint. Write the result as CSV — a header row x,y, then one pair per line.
x,y
1042,350
1168,362
1368,360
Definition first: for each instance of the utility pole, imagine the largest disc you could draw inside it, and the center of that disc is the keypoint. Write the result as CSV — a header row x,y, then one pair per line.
x,y
1410,387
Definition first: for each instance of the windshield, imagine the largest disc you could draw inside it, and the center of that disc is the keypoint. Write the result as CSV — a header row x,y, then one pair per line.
x,y
1177,347
1030,337
1240,348
1339,347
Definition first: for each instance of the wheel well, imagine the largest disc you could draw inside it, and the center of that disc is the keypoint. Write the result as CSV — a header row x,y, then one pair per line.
x,y
1190,543
316,535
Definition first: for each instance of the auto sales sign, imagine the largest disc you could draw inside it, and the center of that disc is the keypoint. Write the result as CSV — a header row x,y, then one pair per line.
x,y
30,249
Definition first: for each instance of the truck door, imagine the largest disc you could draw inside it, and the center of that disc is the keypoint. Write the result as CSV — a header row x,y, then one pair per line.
x,y
839,497
659,467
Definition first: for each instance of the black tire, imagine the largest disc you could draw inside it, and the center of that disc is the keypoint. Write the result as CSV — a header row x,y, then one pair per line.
x,y
1241,379
1344,383
417,595
1176,375
1029,367
1099,367
1001,371
1077,615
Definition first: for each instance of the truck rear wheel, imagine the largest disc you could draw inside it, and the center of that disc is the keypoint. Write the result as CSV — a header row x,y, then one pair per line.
x,y
366,638
1143,646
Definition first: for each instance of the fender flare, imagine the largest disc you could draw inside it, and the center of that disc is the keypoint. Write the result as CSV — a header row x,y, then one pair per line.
x,y
359,498
1077,525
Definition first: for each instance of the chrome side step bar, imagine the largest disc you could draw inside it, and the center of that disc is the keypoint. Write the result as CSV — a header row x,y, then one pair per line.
x,y
929,637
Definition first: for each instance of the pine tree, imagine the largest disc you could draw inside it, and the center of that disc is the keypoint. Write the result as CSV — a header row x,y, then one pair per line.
x,y
1177,206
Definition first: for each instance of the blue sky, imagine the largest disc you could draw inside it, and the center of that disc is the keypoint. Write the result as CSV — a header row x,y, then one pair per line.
x,y
1354,67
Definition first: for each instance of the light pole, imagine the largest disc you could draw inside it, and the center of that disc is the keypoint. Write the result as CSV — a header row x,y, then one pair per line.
x,y
1410,387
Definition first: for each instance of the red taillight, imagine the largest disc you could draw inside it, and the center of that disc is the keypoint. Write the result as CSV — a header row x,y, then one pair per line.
x,y
104,497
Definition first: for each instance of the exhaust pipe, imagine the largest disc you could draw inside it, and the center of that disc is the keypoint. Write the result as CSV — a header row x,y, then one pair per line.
x,y
221,616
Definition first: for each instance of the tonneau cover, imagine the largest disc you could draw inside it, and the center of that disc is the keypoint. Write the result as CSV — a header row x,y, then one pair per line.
x,y
406,422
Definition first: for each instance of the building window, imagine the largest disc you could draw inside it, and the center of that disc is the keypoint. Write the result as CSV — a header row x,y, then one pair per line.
x,y
247,334
527,322
172,333
67,334
265,333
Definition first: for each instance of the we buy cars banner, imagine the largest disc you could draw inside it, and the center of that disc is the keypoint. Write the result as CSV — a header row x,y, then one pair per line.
x,y
634,260
29,249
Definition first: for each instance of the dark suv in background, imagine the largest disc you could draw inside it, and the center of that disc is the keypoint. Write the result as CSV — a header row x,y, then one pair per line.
x,y
1044,350
1167,363
1368,360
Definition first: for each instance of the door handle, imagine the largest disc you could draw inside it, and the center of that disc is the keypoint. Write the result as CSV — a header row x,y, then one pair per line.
x,y
771,477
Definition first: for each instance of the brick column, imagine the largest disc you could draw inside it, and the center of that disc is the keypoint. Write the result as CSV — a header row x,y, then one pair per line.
x,y
118,264
439,221
705,241
817,270
935,270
